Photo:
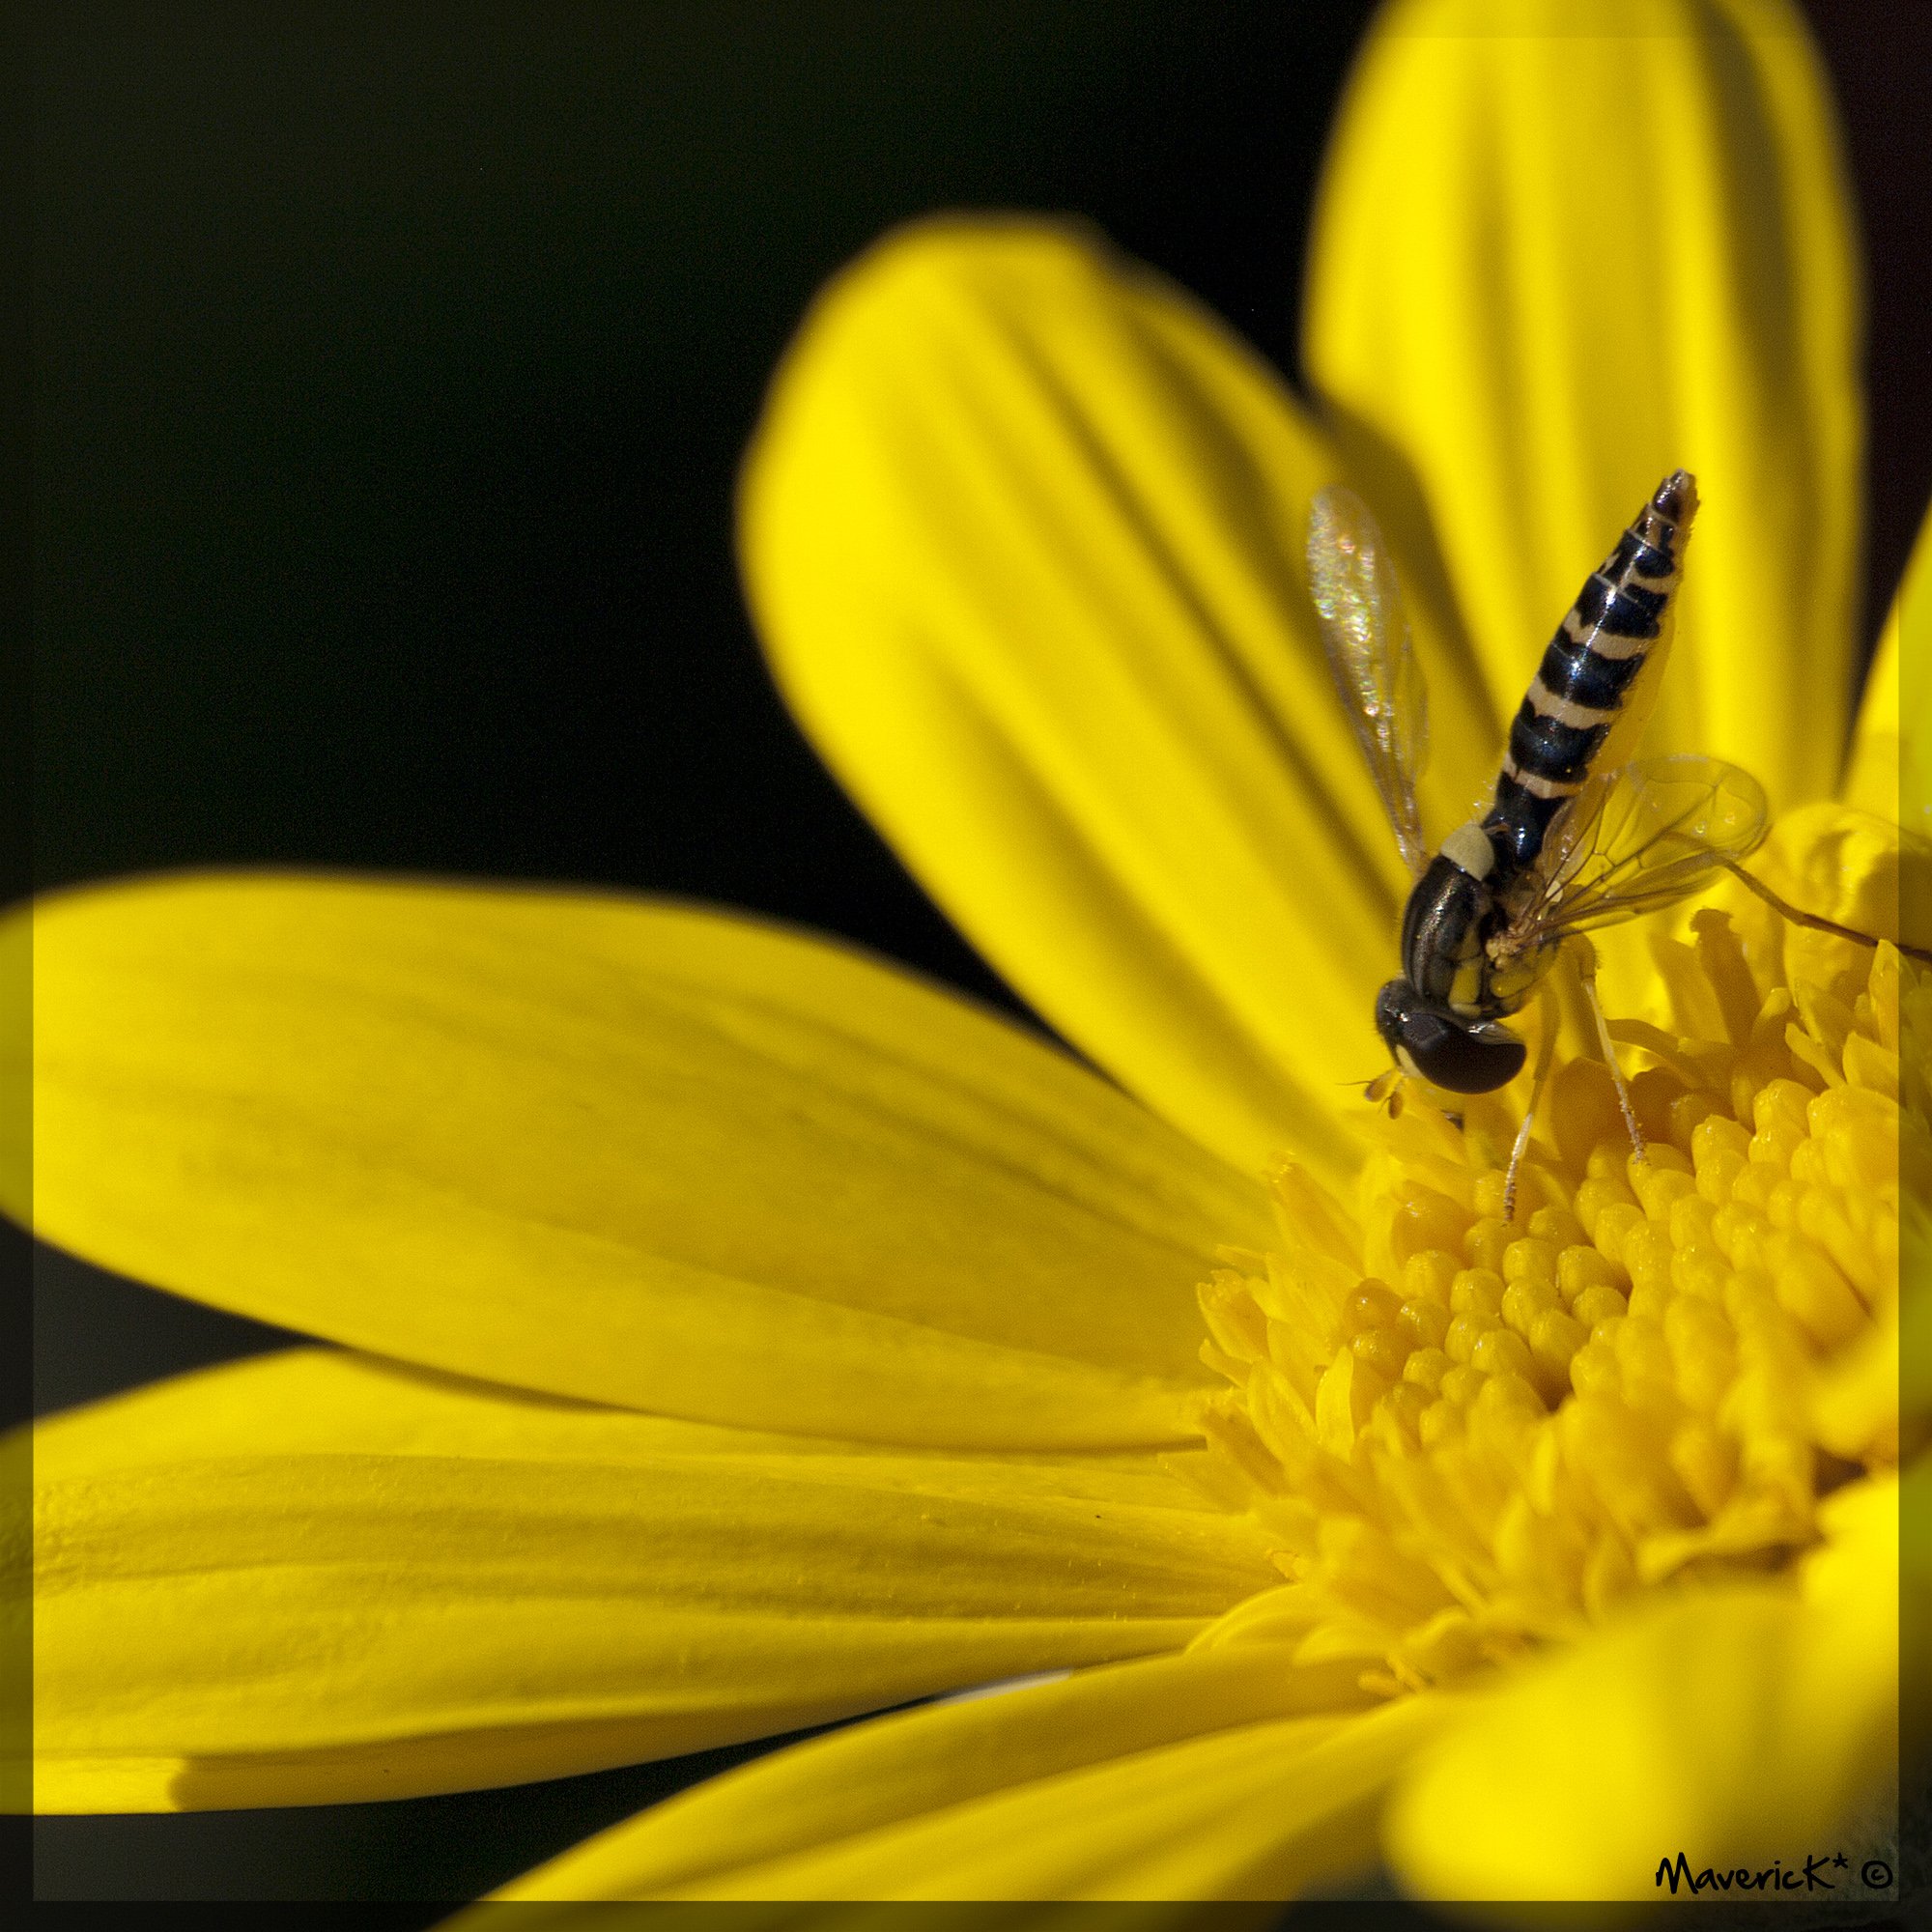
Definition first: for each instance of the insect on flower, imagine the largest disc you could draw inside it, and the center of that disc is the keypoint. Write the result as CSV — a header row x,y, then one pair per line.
x,y
1578,833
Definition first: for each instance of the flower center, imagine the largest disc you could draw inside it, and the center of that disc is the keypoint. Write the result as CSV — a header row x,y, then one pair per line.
x,y
1472,1434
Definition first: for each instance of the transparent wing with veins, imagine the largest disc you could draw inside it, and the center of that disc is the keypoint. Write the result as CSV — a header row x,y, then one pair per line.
x,y
1636,841
1371,656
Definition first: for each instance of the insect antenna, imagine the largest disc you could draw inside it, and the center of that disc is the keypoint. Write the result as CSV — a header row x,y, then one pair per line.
x,y
1815,920
1386,1086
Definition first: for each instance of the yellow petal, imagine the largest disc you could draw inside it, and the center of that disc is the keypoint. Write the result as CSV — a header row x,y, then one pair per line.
x,y
314,1577
1891,769
1023,530
637,1153
1564,246
1738,1725
17,1718
1229,1775
1844,865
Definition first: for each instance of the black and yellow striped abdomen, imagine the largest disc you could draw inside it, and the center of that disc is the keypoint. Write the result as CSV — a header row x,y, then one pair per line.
x,y
1586,675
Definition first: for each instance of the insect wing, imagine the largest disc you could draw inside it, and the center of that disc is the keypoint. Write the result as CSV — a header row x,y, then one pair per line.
x,y
1371,656
1639,839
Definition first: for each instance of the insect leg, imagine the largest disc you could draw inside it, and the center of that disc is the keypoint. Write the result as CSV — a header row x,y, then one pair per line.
x,y
1585,957
1814,921
1546,1053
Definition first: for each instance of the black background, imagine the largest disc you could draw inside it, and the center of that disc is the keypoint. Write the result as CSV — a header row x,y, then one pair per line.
x,y
390,372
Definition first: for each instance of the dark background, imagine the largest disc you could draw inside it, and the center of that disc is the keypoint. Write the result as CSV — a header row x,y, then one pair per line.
x,y
390,371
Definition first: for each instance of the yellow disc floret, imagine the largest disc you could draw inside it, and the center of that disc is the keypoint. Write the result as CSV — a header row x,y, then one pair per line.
x,y
1470,1436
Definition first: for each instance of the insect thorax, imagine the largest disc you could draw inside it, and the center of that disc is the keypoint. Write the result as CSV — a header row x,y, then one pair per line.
x,y
1443,929
1456,934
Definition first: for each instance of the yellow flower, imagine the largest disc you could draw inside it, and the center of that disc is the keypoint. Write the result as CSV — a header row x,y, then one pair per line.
x,y
740,1334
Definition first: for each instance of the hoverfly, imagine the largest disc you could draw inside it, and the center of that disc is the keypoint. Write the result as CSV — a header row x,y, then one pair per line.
x,y
1578,834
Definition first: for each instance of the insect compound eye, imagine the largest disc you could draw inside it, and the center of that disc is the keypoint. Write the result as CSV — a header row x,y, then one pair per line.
x,y
1465,1060
1462,1057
